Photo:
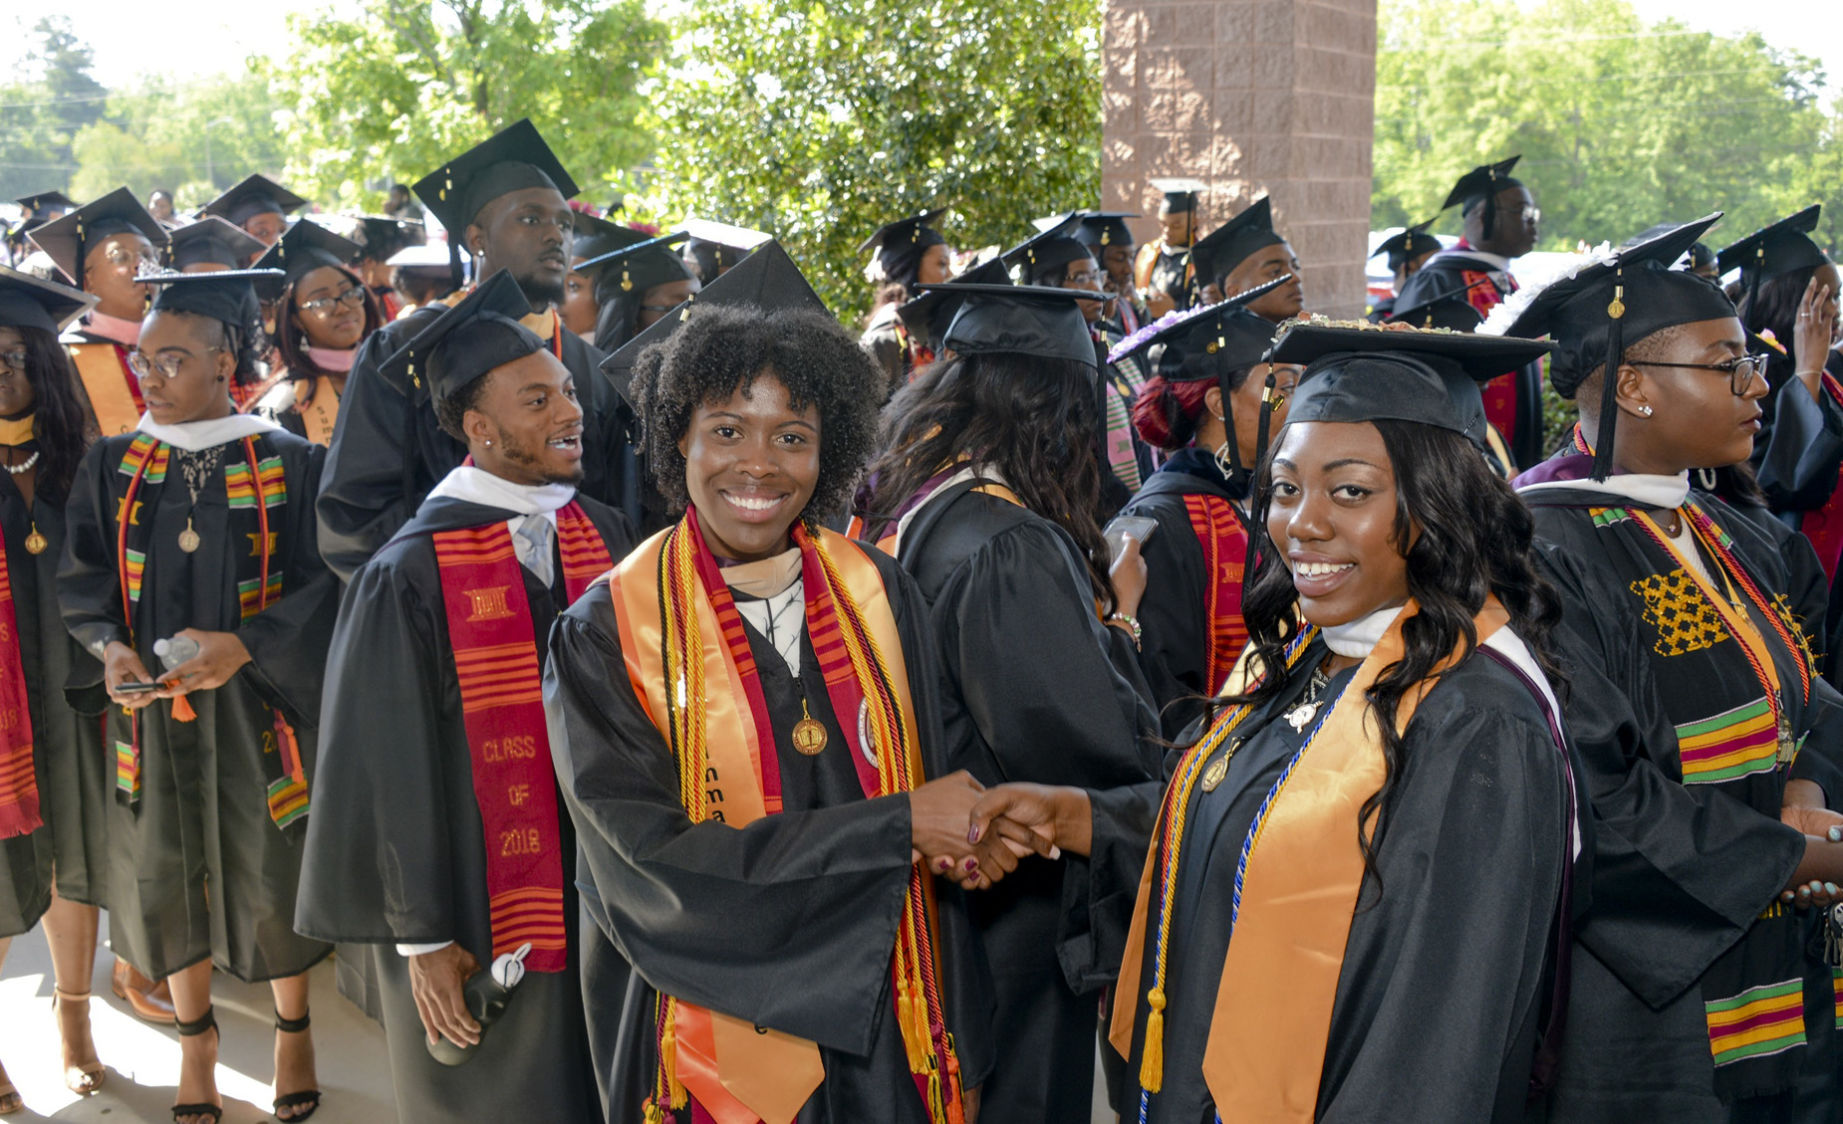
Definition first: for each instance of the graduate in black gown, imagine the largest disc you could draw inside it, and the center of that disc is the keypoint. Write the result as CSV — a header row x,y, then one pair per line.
x,y
908,252
1701,991
1209,405
1406,253
750,834
636,283
210,245
1162,269
1415,978
259,207
1502,223
323,312
593,237
985,493
212,762
53,851
503,202
440,840
1247,253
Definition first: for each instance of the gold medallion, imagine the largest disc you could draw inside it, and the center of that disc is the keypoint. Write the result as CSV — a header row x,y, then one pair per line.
x,y
1213,775
36,543
809,737
188,538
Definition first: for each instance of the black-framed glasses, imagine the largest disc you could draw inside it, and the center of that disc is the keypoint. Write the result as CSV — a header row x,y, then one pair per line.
x,y
1740,370
143,364
14,361
351,298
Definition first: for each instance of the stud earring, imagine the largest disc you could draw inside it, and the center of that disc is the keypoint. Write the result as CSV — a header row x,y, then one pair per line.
x,y
1644,411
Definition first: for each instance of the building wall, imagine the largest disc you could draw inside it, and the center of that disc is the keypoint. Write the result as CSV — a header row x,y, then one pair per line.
x,y
1251,97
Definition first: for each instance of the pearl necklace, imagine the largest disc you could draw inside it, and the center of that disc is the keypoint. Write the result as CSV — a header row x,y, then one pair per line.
x,y
21,469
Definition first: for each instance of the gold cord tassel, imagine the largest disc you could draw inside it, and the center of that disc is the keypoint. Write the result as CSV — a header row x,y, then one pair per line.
x,y
668,1058
905,1022
1152,1060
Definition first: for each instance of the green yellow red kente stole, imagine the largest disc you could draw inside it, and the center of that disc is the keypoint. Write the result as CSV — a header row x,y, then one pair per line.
x,y
496,659
688,662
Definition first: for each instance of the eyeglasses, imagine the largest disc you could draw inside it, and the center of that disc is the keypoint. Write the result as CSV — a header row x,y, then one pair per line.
x,y
351,298
1532,213
14,361
1740,370
143,364
1081,280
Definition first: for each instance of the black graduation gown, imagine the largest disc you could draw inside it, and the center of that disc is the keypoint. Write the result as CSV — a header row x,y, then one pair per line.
x,y
197,868
1174,651
789,922
1798,459
1448,964
1037,689
68,762
1453,269
394,795
1682,872
388,450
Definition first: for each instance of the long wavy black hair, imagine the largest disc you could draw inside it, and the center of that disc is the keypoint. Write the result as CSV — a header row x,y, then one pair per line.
x,y
57,416
291,341
1473,540
1032,421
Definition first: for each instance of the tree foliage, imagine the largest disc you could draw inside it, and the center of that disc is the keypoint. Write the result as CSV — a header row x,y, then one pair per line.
x,y
44,107
193,138
1621,124
822,121
403,84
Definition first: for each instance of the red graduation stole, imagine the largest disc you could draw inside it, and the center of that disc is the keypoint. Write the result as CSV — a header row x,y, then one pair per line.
x,y
1225,551
496,659
1824,527
18,784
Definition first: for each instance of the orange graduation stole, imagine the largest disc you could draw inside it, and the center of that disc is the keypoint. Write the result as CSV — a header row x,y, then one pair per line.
x,y
319,414
689,664
113,389
1296,893
19,813
1224,541
502,707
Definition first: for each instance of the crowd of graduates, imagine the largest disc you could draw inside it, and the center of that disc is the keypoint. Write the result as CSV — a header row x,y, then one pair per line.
x,y
667,703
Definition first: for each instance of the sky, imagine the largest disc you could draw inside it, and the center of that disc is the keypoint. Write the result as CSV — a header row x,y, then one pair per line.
x,y
218,38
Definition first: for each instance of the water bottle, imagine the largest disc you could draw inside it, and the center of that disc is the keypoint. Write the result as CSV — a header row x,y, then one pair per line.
x,y
487,995
175,650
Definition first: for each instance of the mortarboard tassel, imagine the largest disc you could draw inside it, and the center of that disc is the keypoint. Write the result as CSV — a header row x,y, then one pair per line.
x,y
1609,386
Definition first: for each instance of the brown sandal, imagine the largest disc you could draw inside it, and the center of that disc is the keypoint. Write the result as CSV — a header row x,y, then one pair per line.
x,y
82,1079
11,1103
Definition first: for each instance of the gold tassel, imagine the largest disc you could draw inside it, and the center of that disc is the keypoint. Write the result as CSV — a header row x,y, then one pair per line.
x,y
905,1022
668,1059
1152,1060
956,1107
653,1114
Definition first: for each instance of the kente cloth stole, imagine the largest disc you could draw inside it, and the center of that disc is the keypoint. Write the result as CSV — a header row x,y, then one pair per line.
x,y
1824,527
253,488
113,389
1224,541
19,812
689,664
1272,1015
496,660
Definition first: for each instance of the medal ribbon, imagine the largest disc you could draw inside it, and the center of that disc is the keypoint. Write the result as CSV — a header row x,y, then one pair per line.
x,y
496,662
725,1069
19,810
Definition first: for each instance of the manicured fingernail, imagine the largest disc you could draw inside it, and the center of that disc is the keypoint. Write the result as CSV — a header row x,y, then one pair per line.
x,y
1055,852
972,834
1836,835
972,864
1830,887
944,865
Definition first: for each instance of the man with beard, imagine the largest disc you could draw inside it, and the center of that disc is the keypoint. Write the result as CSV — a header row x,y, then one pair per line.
x,y
504,203
438,773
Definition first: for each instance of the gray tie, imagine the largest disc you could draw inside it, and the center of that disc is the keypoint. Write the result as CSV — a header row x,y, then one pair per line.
x,y
532,544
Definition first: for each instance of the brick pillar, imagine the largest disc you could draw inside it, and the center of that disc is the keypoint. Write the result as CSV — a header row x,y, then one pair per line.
x,y
1251,97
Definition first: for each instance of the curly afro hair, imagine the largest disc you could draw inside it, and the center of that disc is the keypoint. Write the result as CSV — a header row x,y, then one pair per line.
x,y
723,348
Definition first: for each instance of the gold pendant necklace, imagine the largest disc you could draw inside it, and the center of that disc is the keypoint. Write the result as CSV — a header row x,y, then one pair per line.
x,y
1307,709
809,736
1219,768
188,538
35,542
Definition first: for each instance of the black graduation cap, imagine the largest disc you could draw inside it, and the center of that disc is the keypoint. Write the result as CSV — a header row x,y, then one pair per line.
x,y
1593,313
1206,343
256,195
31,302
380,236
1451,308
767,279
1217,253
1482,184
69,239
43,206
595,237
470,340
211,240
510,160
1773,251
227,296
717,246
643,263
1363,372
1029,320
303,248
1047,251
1407,245
1180,194
1101,229
901,244
927,316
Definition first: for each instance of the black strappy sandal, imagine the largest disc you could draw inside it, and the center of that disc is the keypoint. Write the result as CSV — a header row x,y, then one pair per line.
x,y
201,1025
310,1098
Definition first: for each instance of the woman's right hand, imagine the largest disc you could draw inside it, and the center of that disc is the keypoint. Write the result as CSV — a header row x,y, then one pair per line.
x,y
121,664
1812,334
940,819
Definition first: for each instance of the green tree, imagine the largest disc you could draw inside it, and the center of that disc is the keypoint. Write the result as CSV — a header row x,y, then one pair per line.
x,y
1621,124
40,113
821,121
391,92
191,138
